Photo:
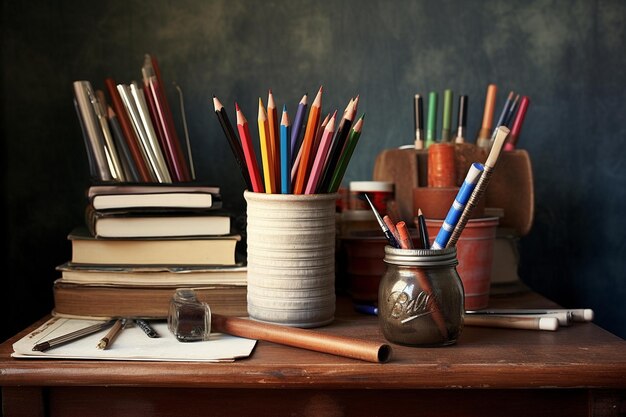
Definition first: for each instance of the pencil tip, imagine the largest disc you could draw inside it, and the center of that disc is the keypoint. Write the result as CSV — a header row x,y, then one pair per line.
x,y
419,212
236,106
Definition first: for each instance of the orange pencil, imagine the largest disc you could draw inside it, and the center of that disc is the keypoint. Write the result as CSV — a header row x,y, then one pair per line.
x,y
268,164
307,144
490,104
274,138
404,238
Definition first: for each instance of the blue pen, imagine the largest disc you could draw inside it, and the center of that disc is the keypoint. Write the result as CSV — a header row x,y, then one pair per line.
x,y
285,154
366,309
456,210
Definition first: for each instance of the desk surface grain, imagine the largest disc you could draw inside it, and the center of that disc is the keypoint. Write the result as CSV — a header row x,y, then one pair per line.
x,y
580,356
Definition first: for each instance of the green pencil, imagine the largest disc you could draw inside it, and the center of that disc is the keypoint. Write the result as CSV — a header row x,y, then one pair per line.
x,y
447,116
342,165
431,128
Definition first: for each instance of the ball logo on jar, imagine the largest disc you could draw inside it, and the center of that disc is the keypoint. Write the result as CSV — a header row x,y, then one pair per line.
x,y
405,308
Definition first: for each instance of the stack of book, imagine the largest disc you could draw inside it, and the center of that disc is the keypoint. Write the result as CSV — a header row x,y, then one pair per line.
x,y
149,227
140,243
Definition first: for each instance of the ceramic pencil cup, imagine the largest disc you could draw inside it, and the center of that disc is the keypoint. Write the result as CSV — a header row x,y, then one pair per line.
x,y
291,258
420,298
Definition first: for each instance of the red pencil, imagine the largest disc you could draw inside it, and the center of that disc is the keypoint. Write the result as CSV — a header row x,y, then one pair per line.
x,y
248,152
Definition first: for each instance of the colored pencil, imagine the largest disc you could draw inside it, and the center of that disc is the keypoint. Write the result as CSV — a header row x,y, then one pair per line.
x,y
307,144
446,128
285,154
404,238
342,165
296,128
431,128
338,144
503,114
274,139
484,133
320,156
266,155
457,206
235,145
248,151
517,124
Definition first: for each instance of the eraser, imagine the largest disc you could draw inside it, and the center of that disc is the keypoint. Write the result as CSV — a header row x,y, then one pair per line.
x,y
548,323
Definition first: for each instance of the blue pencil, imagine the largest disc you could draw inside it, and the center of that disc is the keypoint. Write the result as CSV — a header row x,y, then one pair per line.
x,y
457,206
285,154
296,129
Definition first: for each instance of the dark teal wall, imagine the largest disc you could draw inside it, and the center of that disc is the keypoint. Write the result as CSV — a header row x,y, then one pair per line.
x,y
568,56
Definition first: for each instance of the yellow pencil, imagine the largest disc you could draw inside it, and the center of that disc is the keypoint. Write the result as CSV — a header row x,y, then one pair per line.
x,y
307,143
268,163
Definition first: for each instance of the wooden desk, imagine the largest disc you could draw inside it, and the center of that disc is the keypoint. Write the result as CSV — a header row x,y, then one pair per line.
x,y
576,371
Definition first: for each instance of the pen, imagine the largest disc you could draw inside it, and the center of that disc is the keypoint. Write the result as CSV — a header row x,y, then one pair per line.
x,y
447,116
70,337
462,120
392,240
424,238
366,309
418,110
147,329
107,340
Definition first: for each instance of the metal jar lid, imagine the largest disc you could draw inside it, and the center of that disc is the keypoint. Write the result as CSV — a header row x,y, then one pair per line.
x,y
421,257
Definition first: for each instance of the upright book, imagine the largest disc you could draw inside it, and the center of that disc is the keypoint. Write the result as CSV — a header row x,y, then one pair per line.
x,y
179,251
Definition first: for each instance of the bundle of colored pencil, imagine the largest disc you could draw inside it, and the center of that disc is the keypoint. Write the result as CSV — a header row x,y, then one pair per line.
x,y
306,157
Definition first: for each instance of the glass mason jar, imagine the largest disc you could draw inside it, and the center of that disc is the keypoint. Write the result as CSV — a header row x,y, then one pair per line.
x,y
420,297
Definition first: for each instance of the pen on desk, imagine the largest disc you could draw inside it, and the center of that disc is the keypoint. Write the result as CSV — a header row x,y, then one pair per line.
x,y
424,238
107,340
366,309
462,120
431,128
576,314
147,328
563,317
70,337
484,133
418,117
390,238
527,323
447,116
517,124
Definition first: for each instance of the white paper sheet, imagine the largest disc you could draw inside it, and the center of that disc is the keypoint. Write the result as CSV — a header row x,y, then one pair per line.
x,y
131,344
